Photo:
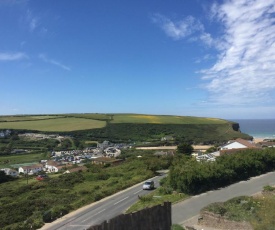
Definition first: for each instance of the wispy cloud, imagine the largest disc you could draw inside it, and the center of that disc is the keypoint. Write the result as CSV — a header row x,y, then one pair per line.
x,y
204,58
54,62
188,27
244,72
12,56
32,21
177,29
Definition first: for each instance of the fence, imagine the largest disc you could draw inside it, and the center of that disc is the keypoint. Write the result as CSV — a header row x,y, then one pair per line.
x,y
155,218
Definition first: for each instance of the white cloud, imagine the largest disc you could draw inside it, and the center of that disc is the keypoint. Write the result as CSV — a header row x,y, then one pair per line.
x,y
54,62
32,21
12,56
206,57
178,29
245,71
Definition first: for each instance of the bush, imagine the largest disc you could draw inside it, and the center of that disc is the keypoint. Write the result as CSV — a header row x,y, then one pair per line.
x,y
192,177
268,188
177,227
165,190
147,198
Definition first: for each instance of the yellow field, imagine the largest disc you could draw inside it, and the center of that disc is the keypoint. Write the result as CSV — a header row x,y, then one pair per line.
x,y
74,122
163,119
55,125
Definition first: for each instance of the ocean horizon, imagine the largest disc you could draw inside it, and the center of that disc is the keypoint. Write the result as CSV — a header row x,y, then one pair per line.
x,y
258,128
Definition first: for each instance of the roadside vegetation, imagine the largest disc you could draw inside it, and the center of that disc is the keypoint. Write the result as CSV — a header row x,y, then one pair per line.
x,y
188,176
27,203
259,211
159,196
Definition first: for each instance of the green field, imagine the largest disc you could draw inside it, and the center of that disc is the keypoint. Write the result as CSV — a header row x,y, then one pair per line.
x,y
55,125
125,127
13,160
28,118
94,116
74,122
164,119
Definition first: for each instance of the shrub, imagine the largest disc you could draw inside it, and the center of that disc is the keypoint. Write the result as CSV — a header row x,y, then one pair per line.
x,y
165,190
145,198
268,188
177,227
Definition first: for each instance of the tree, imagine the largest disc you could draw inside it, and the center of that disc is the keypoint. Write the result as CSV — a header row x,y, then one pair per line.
x,y
185,148
4,177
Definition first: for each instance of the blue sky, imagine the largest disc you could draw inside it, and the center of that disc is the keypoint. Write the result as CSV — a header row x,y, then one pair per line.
x,y
183,57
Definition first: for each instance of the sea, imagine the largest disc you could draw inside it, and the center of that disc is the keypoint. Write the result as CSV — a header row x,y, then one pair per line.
x,y
258,128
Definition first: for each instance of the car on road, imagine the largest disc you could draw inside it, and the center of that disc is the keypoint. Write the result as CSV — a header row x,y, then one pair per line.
x,y
148,185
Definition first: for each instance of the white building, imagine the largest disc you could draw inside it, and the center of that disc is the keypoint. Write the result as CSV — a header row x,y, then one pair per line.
x,y
32,169
10,172
239,144
52,166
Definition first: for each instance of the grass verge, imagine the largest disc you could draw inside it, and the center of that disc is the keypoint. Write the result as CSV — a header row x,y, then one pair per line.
x,y
156,198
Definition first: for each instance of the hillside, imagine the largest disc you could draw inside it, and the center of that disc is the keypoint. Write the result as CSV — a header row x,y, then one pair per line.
x,y
125,127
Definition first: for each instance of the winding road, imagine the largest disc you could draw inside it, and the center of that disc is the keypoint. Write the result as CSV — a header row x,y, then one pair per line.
x,y
114,205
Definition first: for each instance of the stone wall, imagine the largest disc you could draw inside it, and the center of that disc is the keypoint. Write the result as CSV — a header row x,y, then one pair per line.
x,y
155,218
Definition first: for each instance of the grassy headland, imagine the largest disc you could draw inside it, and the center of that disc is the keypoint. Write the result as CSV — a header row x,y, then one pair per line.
x,y
129,127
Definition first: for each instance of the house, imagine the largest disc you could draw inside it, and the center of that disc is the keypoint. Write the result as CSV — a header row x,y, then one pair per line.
x,y
237,145
112,152
32,169
10,172
52,166
268,144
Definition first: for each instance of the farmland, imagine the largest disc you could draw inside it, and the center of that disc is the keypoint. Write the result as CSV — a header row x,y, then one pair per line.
x,y
125,127
64,124
162,119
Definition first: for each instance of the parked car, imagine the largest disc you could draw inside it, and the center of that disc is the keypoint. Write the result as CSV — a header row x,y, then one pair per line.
x,y
148,185
41,177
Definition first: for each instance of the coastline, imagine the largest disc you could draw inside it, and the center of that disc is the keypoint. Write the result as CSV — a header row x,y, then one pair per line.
x,y
257,139
261,139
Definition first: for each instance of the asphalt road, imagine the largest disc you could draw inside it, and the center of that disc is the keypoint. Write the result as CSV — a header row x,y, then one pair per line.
x,y
112,206
102,210
185,210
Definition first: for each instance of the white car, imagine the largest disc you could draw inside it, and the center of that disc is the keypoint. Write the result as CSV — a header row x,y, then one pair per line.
x,y
148,185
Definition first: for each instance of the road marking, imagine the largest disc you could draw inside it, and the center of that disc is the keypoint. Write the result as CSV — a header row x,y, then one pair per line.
x,y
138,191
121,200
93,215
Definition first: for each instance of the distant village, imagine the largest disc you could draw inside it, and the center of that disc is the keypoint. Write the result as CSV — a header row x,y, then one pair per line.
x,y
67,161
107,153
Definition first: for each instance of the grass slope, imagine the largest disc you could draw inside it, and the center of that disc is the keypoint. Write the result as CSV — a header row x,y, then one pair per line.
x,y
28,118
164,119
72,122
124,127
55,125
